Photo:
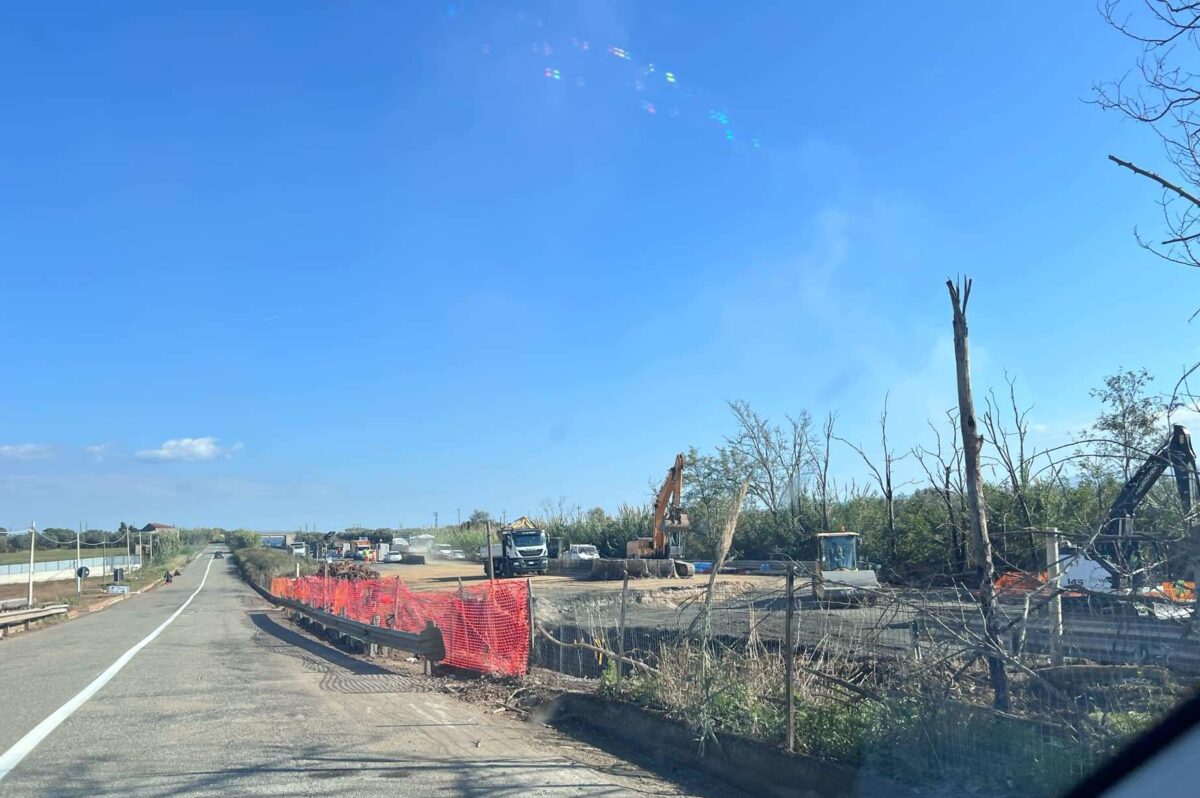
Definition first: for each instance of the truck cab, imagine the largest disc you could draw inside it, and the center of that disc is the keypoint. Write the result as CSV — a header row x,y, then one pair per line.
x,y
522,550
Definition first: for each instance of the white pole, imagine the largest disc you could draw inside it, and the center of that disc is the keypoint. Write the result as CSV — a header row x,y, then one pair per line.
x,y
32,545
1053,573
78,562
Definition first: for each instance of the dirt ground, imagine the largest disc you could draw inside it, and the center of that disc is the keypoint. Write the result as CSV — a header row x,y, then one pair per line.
x,y
63,590
446,576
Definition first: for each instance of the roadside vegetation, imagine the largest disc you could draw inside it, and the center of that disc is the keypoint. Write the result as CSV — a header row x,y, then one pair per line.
x,y
260,564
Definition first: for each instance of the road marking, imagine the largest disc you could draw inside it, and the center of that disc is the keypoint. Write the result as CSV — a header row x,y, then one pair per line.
x,y
13,756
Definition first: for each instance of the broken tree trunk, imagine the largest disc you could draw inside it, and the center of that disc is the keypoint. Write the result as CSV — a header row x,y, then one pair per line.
x,y
972,444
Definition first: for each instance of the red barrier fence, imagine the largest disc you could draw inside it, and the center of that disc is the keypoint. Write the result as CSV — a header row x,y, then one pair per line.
x,y
484,627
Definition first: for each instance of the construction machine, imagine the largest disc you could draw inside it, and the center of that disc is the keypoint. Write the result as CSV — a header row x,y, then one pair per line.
x,y
670,523
837,578
1117,563
522,550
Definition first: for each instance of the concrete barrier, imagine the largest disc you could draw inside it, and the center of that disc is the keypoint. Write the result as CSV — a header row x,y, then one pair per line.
x,y
755,767
53,570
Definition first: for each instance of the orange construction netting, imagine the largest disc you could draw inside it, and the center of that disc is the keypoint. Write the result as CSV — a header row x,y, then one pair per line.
x,y
485,628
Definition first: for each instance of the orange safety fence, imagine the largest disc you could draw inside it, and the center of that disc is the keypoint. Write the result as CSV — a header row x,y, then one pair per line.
x,y
485,628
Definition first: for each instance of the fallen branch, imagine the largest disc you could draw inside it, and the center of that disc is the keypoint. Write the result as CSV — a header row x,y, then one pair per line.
x,y
596,649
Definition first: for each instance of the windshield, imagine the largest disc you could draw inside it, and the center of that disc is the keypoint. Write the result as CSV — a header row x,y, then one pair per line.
x,y
840,553
690,284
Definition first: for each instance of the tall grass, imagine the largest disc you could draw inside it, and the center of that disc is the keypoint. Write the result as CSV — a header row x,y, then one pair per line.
x,y
905,736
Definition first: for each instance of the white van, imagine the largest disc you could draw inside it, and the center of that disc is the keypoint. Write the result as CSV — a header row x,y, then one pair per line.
x,y
582,551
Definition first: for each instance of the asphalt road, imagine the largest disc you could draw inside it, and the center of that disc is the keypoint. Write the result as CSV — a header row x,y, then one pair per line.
x,y
230,700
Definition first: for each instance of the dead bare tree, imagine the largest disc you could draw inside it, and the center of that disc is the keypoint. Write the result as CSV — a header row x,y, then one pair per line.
x,y
824,489
1163,96
776,458
943,469
972,445
882,474
1010,444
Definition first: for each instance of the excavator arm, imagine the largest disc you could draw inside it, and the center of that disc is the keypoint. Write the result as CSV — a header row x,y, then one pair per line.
x,y
669,517
1116,542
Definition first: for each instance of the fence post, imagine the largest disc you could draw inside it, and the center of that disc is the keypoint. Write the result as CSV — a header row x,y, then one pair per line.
x,y
790,657
621,630
373,651
1056,615
487,547
532,626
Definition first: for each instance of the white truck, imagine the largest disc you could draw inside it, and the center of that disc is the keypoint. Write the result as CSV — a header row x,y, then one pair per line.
x,y
299,549
522,550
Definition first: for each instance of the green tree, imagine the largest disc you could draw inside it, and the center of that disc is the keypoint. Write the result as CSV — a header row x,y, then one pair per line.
x,y
1128,424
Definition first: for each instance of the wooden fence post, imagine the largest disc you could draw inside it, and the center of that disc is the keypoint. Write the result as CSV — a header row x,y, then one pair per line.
x,y
487,546
621,630
532,625
789,643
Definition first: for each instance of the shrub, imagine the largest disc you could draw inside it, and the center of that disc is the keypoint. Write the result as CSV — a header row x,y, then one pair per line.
x,y
261,565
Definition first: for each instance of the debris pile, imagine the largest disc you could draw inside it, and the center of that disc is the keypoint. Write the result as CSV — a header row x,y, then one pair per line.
x,y
348,569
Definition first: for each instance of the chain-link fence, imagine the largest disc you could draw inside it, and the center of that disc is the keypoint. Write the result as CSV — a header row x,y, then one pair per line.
x,y
897,682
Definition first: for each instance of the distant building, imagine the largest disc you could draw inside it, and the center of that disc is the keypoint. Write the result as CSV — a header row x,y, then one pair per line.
x,y
278,540
159,528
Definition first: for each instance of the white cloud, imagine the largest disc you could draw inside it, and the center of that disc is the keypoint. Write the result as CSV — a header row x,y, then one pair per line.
x,y
98,450
26,451
187,449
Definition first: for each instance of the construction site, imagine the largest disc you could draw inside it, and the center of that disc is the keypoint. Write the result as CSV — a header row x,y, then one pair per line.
x,y
822,658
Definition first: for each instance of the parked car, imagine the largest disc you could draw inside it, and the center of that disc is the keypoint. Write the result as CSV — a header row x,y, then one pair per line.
x,y
393,556
441,550
457,554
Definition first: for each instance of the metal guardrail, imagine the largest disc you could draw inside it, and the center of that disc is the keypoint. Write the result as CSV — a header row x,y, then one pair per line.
x,y
427,643
35,614
1112,640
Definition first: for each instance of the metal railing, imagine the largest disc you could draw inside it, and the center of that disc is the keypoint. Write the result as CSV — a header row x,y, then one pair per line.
x,y
96,564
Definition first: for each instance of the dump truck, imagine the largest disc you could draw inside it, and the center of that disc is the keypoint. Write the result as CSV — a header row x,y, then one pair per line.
x,y
837,578
522,550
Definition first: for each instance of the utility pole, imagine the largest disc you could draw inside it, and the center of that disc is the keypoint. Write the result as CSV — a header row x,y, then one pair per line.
x,y
435,526
141,551
128,540
458,512
78,563
32,545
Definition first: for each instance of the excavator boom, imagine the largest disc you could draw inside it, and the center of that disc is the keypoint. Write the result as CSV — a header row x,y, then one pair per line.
x,y
669,517
1116,541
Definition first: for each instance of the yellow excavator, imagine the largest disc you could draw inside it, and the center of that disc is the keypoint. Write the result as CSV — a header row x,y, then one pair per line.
x,y
670,522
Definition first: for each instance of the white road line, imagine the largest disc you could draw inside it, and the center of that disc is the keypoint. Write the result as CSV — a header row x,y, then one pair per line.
x,y
13,756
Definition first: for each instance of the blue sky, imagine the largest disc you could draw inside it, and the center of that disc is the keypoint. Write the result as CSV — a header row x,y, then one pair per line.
x,y
311,263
